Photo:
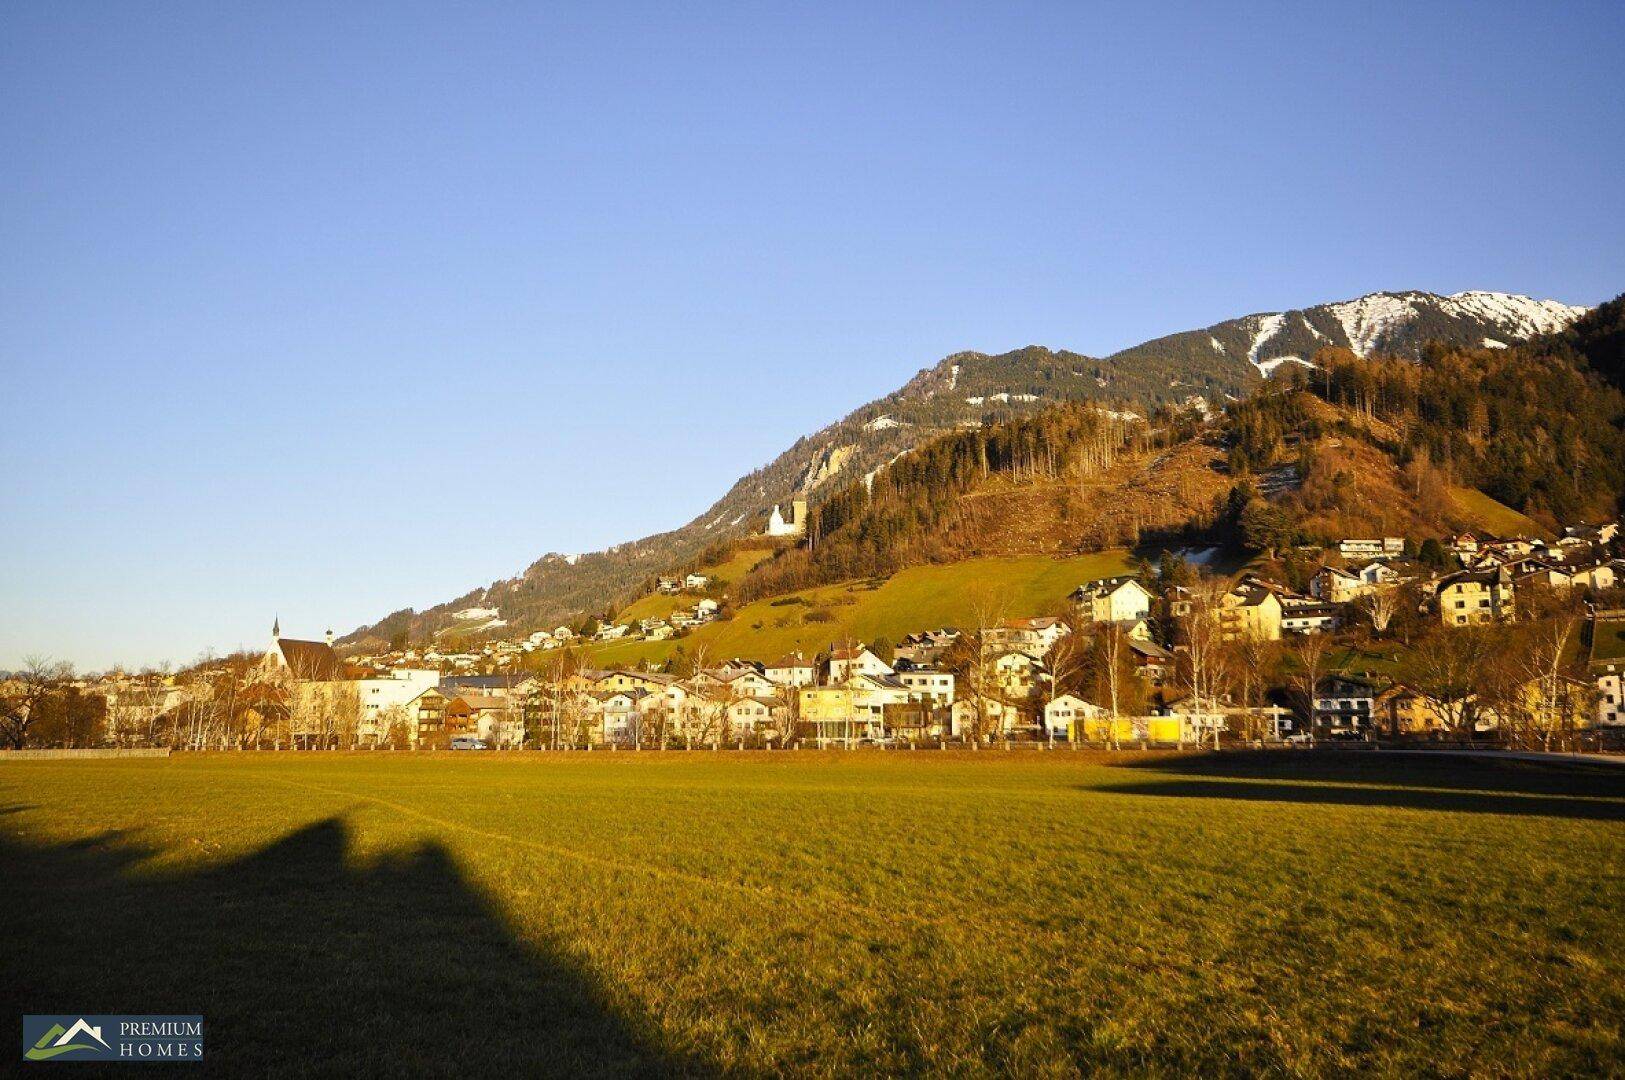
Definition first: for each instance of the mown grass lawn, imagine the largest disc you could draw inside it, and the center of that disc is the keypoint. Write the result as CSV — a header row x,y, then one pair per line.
x,y
1024,913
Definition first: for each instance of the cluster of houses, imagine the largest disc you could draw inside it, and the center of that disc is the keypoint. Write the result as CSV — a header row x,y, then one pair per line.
x,y
1010,683
847,695
851,694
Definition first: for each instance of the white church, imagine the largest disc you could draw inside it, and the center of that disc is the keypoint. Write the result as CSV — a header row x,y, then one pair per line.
x,y
794,525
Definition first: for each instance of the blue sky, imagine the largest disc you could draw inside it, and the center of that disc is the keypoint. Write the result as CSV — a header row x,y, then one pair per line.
x,y
323,310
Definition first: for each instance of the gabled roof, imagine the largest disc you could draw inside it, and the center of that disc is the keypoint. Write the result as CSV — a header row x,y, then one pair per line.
x,y
1358,682
1251,595
637,693
1385,563
889,682
484,682
1479,577
312,660
728,675
1107,586
1040,622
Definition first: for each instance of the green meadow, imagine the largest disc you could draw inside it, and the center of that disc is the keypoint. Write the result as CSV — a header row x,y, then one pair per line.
x,y
916,598
1027,913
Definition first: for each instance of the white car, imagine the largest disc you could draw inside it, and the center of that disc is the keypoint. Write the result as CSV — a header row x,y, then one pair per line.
x,y
468,742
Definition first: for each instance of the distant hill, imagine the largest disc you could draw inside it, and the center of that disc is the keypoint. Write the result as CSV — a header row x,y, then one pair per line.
x,y
935,540
1197,368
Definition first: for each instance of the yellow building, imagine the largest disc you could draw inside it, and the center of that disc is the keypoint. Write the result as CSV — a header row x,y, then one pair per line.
x,y
1407,711
1474,597
1170,729
1248,612
1099,728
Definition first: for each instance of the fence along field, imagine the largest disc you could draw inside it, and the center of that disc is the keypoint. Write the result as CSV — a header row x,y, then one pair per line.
x,y
832,914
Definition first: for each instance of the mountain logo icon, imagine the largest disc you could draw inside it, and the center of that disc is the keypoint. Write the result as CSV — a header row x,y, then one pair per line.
x,y
59,1041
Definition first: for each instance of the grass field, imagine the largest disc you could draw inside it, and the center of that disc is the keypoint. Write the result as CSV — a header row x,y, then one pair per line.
x,y
1025,913
918,598
660,605
1608,640
1494,517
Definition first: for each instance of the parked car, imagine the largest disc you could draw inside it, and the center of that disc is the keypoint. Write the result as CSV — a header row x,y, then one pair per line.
x,y
468,742
881,740
1297,737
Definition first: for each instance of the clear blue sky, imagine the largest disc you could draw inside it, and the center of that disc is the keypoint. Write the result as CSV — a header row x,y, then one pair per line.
x,y
329,309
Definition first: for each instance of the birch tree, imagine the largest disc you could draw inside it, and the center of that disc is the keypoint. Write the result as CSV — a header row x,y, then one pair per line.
x,y
1380,605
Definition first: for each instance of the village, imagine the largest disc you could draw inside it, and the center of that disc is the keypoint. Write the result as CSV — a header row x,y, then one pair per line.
x,y
1173,655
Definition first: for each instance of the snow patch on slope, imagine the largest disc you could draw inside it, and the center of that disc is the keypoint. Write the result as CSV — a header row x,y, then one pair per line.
x,y
1267,367
1370,319
1519,315
1365,321
1213,341
1266,327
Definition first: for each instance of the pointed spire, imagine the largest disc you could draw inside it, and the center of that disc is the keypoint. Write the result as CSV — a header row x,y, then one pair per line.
x,y
276,628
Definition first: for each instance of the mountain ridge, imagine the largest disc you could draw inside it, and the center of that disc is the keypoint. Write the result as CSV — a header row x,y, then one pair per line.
x,y
1195,368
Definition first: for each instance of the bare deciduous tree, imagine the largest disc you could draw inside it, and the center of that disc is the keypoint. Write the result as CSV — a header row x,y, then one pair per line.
x,y
1202,628
1310,652
1116,675
1450,669
1380,605
22,705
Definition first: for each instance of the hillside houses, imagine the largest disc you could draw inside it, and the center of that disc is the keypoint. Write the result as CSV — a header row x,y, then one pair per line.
x,y
793,670
1474,597
1344,585
1250,611
1005,681
1120,600
849,660
927,646
1036,635
1360,548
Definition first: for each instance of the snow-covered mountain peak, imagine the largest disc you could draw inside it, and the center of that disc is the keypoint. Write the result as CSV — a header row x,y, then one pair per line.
x,y
1522,316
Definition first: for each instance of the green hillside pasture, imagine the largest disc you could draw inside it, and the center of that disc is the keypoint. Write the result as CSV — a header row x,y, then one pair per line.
x,y
1014,913
1494,517
918,598
661,605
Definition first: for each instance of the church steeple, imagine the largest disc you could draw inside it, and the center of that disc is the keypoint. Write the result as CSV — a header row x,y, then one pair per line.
x,y
276,628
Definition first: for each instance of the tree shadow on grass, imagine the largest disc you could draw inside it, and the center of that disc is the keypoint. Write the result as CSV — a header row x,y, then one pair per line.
x,y
1461,785
301,962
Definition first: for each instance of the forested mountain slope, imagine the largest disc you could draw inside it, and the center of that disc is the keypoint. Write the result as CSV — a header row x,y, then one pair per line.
x,y
1199,369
